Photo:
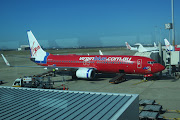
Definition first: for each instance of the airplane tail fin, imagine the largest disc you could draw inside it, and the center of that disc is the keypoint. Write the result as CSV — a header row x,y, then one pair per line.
x,y
167,43
169,47
128,46
155,44
38,55
100,52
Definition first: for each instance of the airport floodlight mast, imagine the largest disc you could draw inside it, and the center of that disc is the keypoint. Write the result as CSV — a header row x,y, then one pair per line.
x,y
173,27
169,27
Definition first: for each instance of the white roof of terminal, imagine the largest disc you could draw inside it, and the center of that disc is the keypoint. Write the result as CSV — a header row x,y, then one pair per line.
x,y
32,103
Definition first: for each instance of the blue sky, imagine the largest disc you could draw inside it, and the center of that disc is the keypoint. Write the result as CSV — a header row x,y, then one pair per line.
x,y
73,23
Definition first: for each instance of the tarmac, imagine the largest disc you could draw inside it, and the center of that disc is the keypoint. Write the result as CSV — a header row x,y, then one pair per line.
x,y
165,91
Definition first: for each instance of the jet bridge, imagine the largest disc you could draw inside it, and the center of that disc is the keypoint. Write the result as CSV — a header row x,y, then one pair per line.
x,y
171,60
155,56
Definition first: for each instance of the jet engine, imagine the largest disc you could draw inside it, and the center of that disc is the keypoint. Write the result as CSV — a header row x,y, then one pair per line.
x,y
87,73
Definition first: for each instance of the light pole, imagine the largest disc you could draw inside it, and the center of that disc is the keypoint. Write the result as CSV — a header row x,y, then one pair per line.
x,y
173,27
160,36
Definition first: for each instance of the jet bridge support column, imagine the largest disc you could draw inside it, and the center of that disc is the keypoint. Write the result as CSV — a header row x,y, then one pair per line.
x,y
161,58
170,67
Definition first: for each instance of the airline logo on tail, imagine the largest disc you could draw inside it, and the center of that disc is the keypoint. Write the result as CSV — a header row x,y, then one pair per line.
x,y
34,49
169,47
130,48
166,43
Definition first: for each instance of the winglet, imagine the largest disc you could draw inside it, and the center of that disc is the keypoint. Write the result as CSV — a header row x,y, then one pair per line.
x,y
7,63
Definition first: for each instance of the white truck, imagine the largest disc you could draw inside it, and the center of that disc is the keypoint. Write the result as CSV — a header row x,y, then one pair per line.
x,y
33,82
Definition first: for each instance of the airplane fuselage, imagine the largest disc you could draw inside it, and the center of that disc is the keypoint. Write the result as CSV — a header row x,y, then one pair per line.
x,y
85,66
105,63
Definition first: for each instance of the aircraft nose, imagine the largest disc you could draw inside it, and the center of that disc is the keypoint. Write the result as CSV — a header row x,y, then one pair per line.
x,y
160,67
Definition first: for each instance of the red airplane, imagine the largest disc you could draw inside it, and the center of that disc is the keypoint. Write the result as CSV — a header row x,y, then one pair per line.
x,y
85,66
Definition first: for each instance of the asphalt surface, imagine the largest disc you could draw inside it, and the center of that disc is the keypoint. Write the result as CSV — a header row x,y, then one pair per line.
x,y
165,91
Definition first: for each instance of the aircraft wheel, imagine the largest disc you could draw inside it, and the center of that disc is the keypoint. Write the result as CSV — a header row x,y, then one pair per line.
x,y
116,82
176,76
74,77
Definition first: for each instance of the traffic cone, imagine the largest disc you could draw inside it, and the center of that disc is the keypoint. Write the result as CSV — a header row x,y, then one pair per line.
x,y
64,87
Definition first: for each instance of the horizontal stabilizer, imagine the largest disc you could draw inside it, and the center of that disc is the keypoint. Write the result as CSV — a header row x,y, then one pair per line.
x,y
47,67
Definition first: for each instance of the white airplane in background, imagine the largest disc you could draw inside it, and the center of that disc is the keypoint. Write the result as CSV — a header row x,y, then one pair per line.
x,y
100,53
169,47
141,48
155,45
131,48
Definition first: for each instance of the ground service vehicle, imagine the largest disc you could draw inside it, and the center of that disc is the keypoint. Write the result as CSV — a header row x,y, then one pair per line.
x,y
33,82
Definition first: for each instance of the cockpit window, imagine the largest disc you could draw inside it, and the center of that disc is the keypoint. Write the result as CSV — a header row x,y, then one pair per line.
x,y
151,62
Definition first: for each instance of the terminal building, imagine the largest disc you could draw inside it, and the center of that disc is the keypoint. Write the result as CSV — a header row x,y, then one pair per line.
x,y
24,47
32,103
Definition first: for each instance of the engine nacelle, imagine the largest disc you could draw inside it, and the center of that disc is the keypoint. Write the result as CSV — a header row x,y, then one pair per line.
x,y
87,73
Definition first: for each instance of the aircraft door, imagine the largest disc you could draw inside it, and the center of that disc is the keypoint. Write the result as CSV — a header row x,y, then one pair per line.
x,y
139,63
86,62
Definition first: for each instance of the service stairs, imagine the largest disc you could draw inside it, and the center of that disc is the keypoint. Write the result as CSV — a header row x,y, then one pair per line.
x,y
119,78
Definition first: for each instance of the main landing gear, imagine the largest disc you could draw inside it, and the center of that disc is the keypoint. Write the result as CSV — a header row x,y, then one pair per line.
x,y
147,76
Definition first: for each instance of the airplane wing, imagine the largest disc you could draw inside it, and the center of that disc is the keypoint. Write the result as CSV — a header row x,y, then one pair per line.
x,y
7,63
45,67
